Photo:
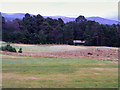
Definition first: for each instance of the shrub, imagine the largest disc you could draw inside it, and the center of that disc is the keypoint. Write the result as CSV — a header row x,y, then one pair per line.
x,y
3,48
90,53
20,50
12,50
8,48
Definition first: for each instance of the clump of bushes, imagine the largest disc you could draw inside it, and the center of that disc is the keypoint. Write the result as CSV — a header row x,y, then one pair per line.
x,y
20,50
10,48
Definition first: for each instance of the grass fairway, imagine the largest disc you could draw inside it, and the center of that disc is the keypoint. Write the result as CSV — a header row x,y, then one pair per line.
x,y
36,72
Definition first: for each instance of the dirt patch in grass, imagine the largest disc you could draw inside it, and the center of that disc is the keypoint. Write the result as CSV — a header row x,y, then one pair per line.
x,y
8,56
24,77
107,69
11,75
101,54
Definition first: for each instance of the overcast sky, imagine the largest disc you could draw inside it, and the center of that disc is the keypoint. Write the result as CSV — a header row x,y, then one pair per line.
x,y
71,8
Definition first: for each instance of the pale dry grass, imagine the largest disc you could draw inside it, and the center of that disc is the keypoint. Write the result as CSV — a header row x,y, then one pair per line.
x,y
10,56
104,69
23,44
101,54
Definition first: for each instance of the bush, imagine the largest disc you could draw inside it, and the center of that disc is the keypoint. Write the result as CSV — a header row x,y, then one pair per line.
x,y
8,48
3,48
20,50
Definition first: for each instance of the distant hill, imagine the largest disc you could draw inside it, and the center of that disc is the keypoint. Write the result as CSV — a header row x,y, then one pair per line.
x,y
102,20
12,16
64,18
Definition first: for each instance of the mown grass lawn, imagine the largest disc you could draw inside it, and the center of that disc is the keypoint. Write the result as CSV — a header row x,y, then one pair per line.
x,y
36,72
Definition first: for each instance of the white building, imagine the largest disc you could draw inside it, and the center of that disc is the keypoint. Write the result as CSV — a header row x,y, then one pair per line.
x,y
78,42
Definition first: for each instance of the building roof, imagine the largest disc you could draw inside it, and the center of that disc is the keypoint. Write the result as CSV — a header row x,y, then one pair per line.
x,y
78,41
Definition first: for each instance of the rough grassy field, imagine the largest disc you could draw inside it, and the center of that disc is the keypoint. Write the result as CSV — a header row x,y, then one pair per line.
x,y
36,72
67,51
56,72
55,48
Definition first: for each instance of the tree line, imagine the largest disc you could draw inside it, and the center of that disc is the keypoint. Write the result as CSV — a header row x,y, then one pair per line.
x,y
40,30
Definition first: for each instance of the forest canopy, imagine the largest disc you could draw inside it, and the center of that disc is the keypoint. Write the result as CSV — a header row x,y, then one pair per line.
x,y
40,30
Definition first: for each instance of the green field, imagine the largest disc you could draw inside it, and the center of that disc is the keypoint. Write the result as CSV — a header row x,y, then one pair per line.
x,y
38,72
53,48
47,48
57,72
